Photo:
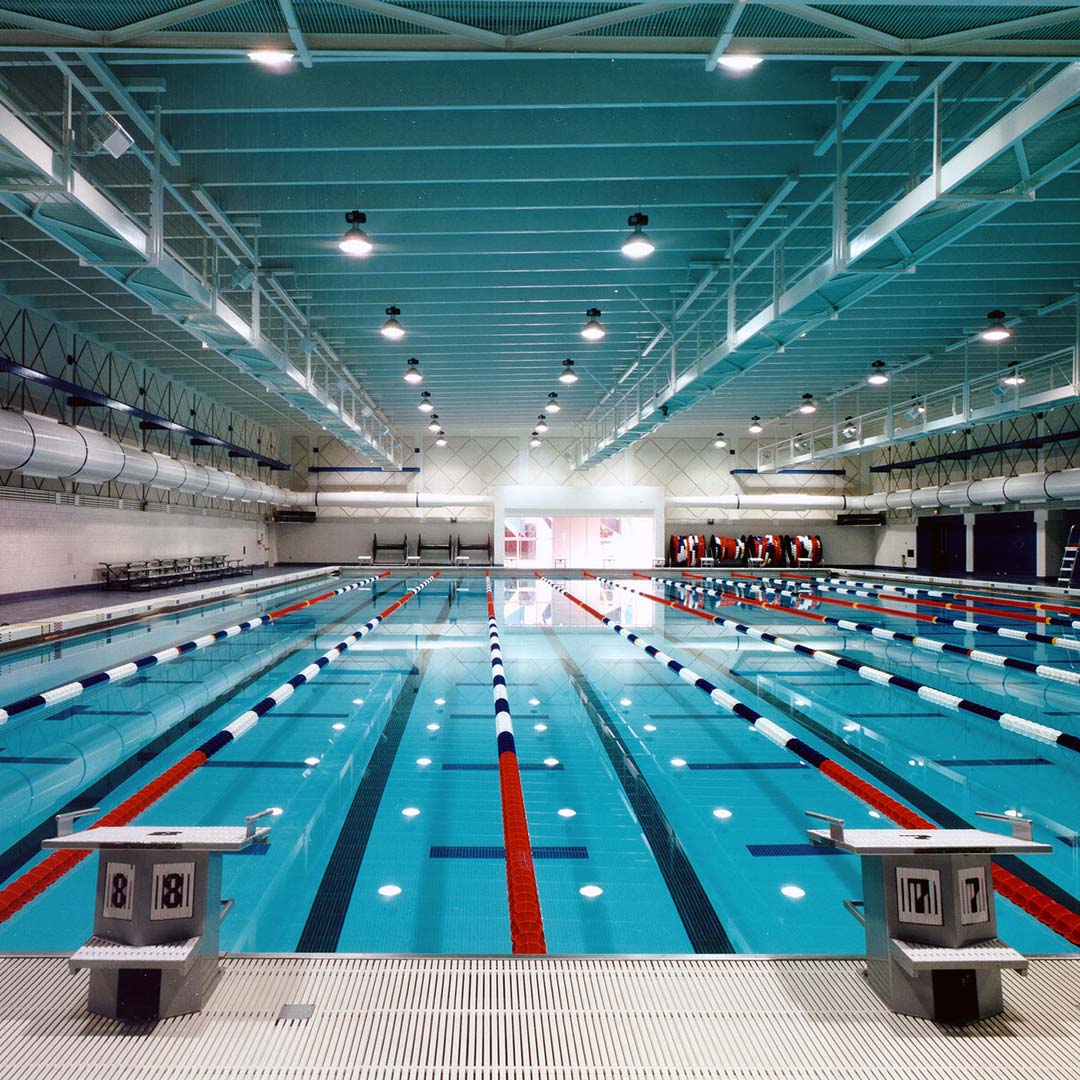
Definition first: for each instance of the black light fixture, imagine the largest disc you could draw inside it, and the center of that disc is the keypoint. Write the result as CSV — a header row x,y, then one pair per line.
x,y
592,330
355,242
392,330
996,331
413,374
433,425
849,430
441,440
755,427
1013,378
637,245
720,442
878,375
569,375
553,405
808,405
425,402
541,424
534,440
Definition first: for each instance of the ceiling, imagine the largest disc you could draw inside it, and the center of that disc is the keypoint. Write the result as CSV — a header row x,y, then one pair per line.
x,y
497,171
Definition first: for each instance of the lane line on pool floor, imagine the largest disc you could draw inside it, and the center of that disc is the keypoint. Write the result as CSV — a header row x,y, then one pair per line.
x,y
1044,908
117,674
1016,725
330,905
700,921
35,881
977,656
526,919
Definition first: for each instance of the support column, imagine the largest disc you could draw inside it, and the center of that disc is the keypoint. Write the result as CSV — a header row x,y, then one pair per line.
x,y
1041,545
969,543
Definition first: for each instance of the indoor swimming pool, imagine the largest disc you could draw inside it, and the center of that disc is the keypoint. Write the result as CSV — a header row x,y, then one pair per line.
x,y
660,822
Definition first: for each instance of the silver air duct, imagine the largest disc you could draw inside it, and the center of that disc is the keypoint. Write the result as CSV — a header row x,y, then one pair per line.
x,y
39,446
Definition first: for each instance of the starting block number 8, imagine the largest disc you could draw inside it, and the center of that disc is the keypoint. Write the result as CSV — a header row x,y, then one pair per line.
x,y
173,891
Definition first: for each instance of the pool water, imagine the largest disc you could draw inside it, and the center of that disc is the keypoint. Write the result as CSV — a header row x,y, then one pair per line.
x,y
660,823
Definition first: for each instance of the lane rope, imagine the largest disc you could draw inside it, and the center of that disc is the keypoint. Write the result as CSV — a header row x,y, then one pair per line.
x,y
977,656
1036,903
117,674
35,881
941,620
1018,725
526,921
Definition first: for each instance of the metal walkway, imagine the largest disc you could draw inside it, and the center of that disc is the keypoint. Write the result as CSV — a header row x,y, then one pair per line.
x,y
425,1017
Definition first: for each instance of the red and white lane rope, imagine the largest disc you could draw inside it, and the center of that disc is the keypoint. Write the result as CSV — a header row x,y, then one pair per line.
x,y
526,922
34,882
1017,725
977,656
117,674
921,616
1036,903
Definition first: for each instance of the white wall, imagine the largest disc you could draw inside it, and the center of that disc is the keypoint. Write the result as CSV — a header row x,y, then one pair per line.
x,y
340,540
45,546
895,540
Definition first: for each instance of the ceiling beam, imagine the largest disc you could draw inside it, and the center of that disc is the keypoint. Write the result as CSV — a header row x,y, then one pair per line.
x,y
842,25
878,81
430,22
168,18
48,26
594,22
296,34
726,35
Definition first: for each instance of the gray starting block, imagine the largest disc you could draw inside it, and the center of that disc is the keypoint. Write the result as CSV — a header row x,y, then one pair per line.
x,y
928,911
157,914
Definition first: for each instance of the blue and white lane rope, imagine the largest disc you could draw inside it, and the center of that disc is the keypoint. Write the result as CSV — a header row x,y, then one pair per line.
x,y
977,656
940,620
526,922
117,674
248,719
1018,725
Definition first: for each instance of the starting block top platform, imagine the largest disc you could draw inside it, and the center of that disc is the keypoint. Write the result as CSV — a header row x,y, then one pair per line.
x,y
929,842
187,837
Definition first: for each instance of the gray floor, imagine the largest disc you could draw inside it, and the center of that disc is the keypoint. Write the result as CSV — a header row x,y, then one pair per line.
x,y
460,1018
63,602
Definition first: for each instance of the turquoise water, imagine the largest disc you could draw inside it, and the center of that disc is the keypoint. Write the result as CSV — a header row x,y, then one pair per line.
x,y
687,857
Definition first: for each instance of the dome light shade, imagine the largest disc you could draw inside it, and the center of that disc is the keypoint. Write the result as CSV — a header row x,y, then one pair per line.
x,y
755,427
637,245
434,426
808,405
1014,378
541,424
440,441
553,405
878,375
849,430
392,329
592,330
568,376
425,402
739,62
535,440
413,374
355,242
720,442
996,330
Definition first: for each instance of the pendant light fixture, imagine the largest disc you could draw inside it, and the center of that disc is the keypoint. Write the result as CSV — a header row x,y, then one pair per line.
x,y
425,402
755,427
996,331
849,430
592,330
808,405
720,441
878,375
434,426
739,63
535,439
541,424
1014,378
355,242
552,405
637,245
441,440
392,330
568,376
413,374
274,59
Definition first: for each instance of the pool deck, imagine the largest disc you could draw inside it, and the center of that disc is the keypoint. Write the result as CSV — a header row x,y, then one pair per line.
x,y
469,1017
